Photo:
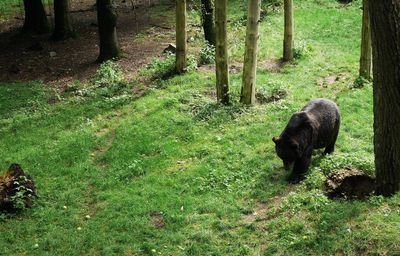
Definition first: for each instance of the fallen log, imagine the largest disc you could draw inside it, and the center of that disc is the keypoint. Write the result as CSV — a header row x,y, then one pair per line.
x,y
349,184
17,190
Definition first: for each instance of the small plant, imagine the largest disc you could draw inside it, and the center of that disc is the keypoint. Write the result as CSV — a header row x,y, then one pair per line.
x,y
109,73
360,82
109,80
302,50
191,63
160,68
207,54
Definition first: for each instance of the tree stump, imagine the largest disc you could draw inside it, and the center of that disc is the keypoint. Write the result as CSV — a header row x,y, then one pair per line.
x,y
349,184
17,190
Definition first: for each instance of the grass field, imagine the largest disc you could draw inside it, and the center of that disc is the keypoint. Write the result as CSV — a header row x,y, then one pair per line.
x,y
172,173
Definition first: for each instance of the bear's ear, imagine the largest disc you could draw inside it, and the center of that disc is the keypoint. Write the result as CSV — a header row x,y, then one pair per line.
x,y
276,139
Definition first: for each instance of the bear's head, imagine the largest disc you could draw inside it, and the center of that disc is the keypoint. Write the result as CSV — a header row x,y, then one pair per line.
x,y
288,150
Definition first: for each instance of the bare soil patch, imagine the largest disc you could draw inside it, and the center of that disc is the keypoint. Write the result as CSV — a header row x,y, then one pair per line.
x,y
143,34
157,219
273,66
276,96
260,212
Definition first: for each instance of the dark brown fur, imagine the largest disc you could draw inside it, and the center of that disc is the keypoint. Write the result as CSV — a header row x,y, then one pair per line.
x,y
315,126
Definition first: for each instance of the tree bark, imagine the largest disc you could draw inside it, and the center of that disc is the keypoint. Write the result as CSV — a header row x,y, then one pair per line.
x,y
63,28
35,17
288,32
107,21
181,36
207,14
221,51
250,58
385,27
366,48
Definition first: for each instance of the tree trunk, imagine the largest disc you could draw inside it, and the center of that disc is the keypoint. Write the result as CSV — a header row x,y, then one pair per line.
x,y
366,50
107,21
385,26
35,17
181,36
63,28
207,14
250,58
221,51
288,33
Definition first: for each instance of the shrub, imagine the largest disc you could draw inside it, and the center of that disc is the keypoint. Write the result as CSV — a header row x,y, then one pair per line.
x,y
207,54
302,50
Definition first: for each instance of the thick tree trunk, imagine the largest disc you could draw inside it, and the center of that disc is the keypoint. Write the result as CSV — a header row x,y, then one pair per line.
x,y
366,49
288,32
35,17
107,20
63,28
181,36
207,14
385,26
221,51
248,95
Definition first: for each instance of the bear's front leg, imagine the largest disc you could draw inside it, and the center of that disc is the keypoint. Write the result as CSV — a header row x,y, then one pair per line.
x,y
300,167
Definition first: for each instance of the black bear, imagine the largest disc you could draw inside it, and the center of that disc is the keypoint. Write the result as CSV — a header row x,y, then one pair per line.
x,y
315,126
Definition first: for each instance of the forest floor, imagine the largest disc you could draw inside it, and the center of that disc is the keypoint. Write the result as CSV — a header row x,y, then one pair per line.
x,y
27,58
132,160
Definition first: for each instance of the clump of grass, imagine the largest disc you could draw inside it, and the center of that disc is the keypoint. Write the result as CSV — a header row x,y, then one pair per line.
x,y
109,83
340,160
164,68
313,200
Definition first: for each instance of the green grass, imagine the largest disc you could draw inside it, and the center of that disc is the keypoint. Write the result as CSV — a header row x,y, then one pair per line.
x,y
176,160
15,8
8,8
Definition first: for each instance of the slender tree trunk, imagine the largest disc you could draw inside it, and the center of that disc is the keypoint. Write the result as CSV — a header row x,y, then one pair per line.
x,y
207,13
35,17
366,50
289,30
181,36
63,28
385,26
107,20
248,95
221,51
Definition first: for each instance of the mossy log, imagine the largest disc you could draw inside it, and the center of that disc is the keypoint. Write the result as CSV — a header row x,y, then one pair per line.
x,y
17,190
349,184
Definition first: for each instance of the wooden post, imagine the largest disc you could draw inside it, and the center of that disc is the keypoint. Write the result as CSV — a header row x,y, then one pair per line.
x,y
181,44
221,51
289,30
250,58
366,48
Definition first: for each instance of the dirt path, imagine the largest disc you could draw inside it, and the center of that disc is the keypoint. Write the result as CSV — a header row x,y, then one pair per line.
x,y
143,34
